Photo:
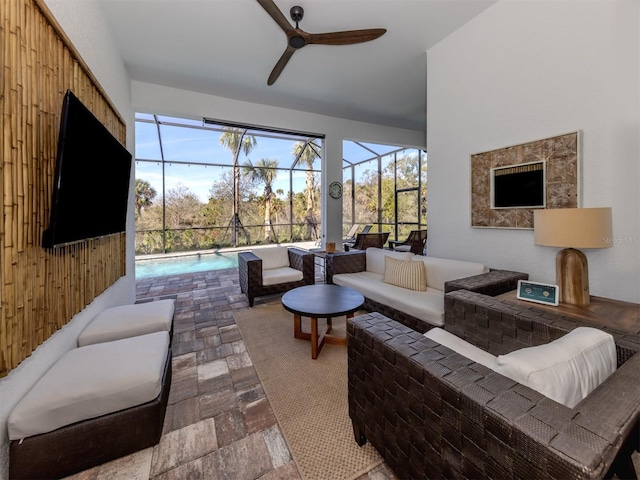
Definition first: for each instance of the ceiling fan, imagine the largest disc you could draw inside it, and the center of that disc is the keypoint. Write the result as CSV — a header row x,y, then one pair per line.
x,y
297,38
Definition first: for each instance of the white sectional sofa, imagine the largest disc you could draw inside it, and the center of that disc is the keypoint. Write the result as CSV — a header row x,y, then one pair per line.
x,y
417,302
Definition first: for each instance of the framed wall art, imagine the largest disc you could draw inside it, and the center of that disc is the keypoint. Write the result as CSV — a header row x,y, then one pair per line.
x,y
508,184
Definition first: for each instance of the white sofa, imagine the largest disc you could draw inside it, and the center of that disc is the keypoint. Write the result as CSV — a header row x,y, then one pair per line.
x,y
421,309
427,304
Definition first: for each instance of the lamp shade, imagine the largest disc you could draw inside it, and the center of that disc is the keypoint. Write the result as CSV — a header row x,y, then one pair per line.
x,y
573,227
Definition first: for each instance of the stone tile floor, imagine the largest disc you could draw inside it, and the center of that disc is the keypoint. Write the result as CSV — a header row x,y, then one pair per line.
x,y
218,423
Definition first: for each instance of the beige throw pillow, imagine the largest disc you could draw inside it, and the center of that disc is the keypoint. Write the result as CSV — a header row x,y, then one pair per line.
x,y
405,274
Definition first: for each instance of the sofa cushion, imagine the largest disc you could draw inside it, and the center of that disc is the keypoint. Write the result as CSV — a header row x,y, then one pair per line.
x,y
276,276
375,258
126,321
405,274
565,370
273,257
427,306
91,381
441,270
462,347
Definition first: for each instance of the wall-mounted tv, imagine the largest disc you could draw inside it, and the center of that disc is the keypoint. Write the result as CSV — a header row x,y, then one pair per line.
x,y
519,186
91,183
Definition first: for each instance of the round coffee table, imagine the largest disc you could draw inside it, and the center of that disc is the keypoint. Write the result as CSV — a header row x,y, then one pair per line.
x,y
320,301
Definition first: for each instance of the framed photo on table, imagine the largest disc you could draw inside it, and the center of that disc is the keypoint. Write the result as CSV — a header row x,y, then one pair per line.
x,y
538,292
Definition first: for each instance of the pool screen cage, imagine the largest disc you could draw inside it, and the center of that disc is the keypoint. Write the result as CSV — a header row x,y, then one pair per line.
x,y
203,184
207,184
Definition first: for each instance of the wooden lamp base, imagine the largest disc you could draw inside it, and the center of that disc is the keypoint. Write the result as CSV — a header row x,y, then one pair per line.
x,y
572,277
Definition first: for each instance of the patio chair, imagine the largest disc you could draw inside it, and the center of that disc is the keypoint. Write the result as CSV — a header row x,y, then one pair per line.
x,y
366,240
351,234
352,242
414,243
271,270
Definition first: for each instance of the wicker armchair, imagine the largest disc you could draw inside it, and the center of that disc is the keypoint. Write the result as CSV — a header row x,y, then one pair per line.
x,y
250,273
432,413
414,243
366,240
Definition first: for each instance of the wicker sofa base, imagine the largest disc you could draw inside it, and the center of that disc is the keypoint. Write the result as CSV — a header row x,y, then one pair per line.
x,y
92,442
432,413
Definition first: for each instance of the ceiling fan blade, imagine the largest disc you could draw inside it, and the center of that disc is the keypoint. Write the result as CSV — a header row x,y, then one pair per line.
x,y
346,38
275,13
277,70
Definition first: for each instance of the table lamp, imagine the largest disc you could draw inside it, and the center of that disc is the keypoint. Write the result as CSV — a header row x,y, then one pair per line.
x,y
570,229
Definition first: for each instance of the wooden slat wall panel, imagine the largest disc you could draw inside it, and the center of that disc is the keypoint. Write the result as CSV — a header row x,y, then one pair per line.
x,y
41,290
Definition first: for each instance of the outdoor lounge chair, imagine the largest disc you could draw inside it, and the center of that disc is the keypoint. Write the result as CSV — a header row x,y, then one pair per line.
x,y
366,240
351,234
414,243
352,239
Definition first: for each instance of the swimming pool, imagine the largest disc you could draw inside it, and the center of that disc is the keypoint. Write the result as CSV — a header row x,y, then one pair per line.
x,y
162,266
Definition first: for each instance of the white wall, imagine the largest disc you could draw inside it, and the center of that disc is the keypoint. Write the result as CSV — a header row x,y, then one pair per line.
x,y
82,21
161,100
526,70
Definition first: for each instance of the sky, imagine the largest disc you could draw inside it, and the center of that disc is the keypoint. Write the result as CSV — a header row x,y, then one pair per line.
x,y
202,146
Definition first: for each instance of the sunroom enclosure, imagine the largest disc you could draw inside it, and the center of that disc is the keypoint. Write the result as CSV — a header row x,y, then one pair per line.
x,y
384,186
204,184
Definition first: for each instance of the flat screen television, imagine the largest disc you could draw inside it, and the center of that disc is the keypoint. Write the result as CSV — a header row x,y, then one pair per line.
x,y
519,186
91,183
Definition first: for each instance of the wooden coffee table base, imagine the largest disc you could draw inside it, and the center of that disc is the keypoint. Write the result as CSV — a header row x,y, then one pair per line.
x,y
318,339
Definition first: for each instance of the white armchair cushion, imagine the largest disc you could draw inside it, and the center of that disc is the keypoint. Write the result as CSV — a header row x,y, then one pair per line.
x,y
375,258
565,370
91,381
462,347
273,257
275,276
126,321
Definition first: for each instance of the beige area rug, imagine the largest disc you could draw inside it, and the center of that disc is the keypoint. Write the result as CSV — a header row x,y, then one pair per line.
x,y
308,397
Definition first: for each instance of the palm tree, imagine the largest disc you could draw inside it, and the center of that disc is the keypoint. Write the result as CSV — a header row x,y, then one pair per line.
x,y
306,152
145,194
264,171
236,139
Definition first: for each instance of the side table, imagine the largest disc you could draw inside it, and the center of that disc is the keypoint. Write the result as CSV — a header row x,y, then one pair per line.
x,y
605,312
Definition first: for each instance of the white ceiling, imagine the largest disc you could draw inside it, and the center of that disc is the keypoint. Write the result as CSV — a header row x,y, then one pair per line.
x,y
229,47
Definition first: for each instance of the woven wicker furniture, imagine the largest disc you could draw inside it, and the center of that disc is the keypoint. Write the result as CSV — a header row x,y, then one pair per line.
x,y
250,273
414,243
432,413
366,240
88,443
492,283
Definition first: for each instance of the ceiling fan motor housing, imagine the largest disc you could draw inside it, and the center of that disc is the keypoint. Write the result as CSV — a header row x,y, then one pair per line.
x,y
297,41
296,13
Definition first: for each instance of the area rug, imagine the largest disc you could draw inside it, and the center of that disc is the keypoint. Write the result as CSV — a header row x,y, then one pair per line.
x,y
308,397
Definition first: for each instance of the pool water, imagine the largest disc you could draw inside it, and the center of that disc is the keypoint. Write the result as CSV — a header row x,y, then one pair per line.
x,y
158,267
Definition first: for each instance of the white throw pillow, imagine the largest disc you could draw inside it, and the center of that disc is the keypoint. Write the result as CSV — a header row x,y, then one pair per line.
x,y
375,258
273,257
565,370
405,274
441,270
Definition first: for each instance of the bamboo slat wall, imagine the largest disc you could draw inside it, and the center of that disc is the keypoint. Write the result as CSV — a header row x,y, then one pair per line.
x,y
41,290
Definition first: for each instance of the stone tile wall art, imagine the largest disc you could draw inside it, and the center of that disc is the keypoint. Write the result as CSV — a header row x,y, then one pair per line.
x,y
560,155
